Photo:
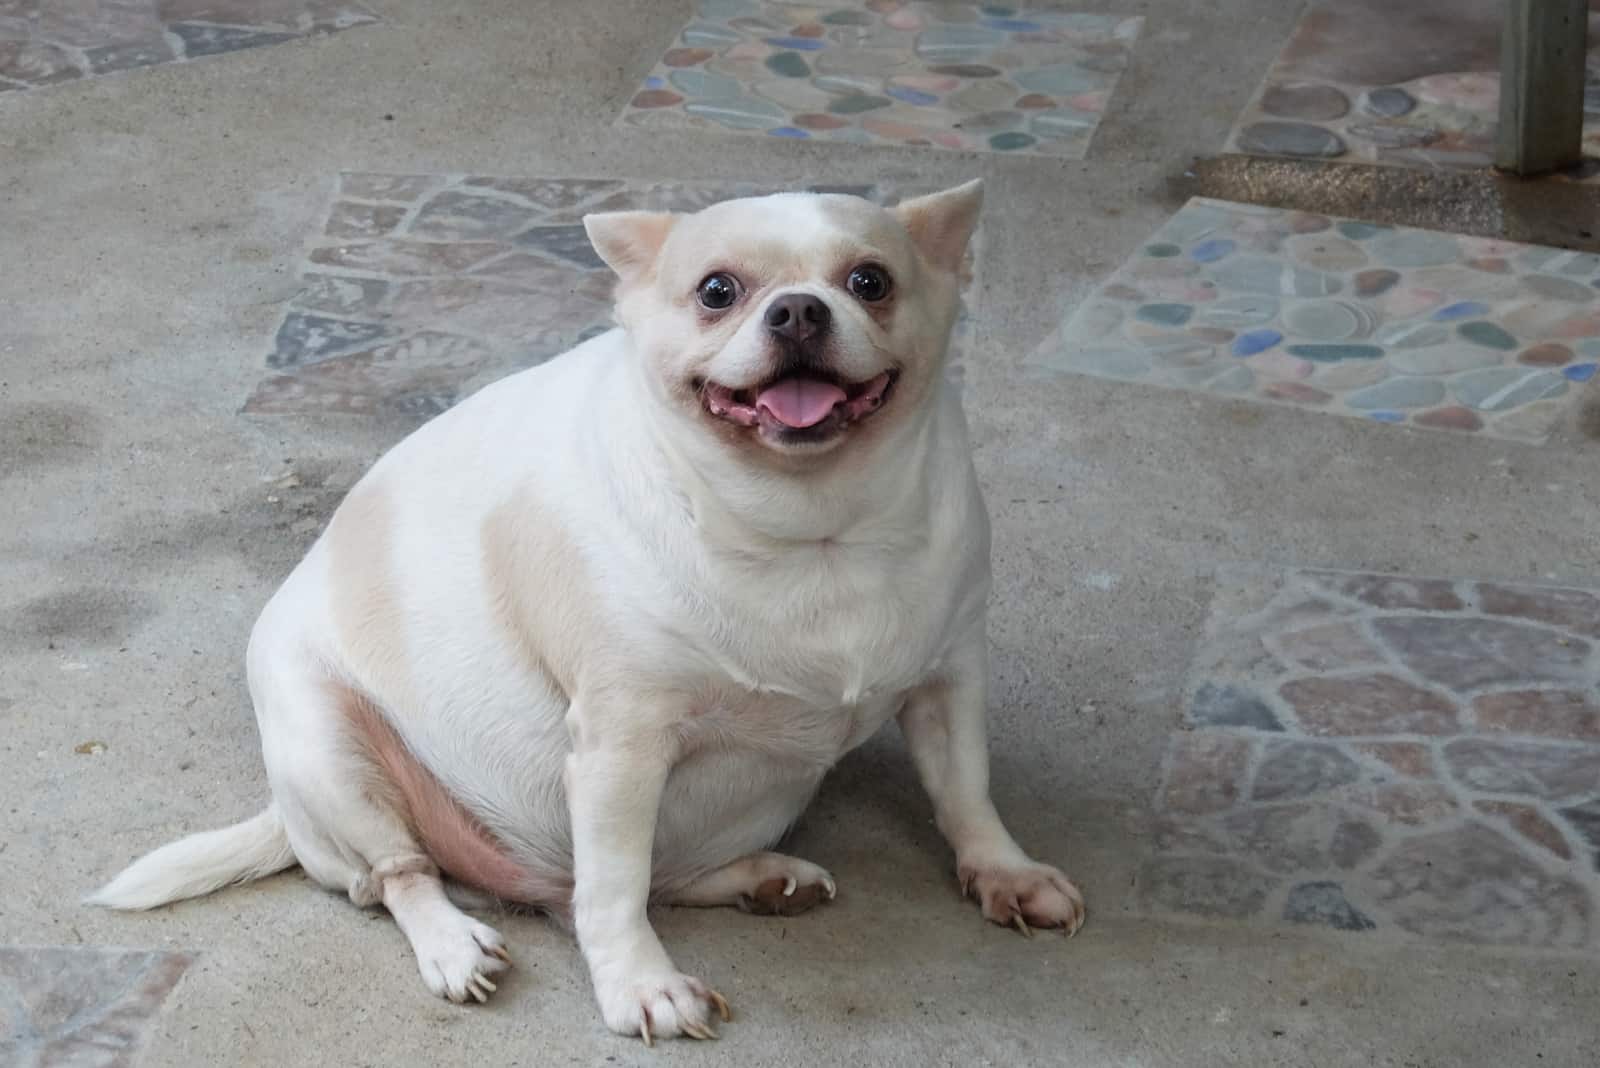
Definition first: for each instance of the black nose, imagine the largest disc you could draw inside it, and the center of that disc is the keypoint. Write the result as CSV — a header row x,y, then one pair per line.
x,y
798,317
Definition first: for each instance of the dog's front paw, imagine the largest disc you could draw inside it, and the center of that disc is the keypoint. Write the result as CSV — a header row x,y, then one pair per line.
x,y
661,1006
1025,896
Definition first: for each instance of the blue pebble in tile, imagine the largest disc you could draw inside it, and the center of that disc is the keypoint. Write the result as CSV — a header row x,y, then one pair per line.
x,y
911,96
788,131
1213,250
653,82
1253,341
1462,309
1580,372
1388,417
799,44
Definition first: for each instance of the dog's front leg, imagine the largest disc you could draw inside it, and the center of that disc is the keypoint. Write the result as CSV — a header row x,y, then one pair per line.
x,y
614,784
945,725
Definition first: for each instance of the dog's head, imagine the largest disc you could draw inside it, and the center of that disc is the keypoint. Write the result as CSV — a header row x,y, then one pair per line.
x,y
790,325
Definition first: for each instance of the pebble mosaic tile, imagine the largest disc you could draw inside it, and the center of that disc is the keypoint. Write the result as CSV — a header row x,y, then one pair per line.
x,y
423,288
1391,324
47,42
968,77
1372,752
80,1006
1414,83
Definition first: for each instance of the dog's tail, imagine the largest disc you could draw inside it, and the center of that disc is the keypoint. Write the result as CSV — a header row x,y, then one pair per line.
x,y
200,864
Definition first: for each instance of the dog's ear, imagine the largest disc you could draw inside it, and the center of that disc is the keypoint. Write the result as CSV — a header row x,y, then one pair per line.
x,y
629,241
941,224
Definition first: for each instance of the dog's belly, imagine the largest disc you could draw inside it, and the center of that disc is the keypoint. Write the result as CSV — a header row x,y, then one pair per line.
x,y
725,800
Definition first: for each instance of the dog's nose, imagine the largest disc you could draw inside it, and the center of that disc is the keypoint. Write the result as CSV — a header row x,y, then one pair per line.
x,y
798,317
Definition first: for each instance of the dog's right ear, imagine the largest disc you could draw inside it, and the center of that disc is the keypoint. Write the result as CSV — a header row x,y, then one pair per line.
x,y
629,241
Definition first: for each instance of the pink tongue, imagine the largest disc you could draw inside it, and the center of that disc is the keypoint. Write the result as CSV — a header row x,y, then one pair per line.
x,y
799,402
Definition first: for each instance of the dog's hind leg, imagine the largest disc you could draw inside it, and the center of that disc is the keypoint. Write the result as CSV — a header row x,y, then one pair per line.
x,y
348,822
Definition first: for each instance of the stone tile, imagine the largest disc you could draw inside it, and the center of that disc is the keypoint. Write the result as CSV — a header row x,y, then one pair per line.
x,y
1529,822
68,41
1467,653
1298,769
1449,788
305,338
1206,772
955,76
1204,886
82,1005
1570,714
1473,884
1534,769
351,219
1575,610
1387,324
1232,706
1414,84
1369,704
1411,760
1324,903
422,288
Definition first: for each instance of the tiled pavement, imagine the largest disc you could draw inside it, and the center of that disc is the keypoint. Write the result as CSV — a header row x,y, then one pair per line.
x,y
1375,752
962,76
47,42
1393,324
80,1007
1414,83
1363,753
422,288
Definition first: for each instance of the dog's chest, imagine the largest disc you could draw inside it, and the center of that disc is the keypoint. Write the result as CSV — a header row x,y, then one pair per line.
x,y
827,629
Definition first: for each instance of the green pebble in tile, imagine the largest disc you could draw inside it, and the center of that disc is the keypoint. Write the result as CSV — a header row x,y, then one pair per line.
x,y
1165,314
1487,335
788,64
852,105
1162,251
1360,231
1007,142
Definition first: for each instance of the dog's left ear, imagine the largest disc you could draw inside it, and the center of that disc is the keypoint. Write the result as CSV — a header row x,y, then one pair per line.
x,y
629,241
942,223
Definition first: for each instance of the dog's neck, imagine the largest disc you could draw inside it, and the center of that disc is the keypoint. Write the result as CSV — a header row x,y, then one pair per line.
x,y
745,505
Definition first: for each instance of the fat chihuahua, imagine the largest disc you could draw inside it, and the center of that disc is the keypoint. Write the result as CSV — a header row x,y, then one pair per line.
x,y
590,640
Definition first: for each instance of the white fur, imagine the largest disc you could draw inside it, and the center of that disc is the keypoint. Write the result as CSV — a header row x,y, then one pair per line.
x,y
736,625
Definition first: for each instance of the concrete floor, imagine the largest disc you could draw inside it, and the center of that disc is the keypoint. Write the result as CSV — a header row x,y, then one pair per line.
x,y
152,225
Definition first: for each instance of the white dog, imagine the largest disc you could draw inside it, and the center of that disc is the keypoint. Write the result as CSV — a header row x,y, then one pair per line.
x,y
591,639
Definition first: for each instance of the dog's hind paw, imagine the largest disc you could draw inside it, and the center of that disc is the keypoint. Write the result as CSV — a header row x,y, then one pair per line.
x,y
458,959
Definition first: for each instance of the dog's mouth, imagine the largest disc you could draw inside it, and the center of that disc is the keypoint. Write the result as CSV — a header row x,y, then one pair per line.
x,y
799,407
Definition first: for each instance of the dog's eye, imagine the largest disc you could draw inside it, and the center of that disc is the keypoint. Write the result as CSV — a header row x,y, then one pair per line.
x,y
718,291
869,282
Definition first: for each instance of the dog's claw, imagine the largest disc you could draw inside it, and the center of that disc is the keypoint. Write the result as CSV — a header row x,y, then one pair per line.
x,y
644,1026
722,1006
481,996
499,951
1021,925
789,886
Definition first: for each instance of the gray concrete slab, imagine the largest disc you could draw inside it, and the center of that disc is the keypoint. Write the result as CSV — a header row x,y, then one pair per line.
x,y
152,230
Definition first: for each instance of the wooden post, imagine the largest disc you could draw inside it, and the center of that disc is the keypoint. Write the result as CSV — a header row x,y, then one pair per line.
x,y
1541,85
